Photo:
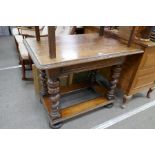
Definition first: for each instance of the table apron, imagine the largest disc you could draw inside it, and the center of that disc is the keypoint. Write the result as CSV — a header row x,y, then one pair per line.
x,y
91,65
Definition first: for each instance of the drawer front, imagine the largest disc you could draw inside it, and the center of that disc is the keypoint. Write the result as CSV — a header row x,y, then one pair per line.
x,y
145,75
147,71
140,89
92,65
149,59
144,81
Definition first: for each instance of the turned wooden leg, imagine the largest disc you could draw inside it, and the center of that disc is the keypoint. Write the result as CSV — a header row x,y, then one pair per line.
x,y
149,92
54,91
43,81
115,75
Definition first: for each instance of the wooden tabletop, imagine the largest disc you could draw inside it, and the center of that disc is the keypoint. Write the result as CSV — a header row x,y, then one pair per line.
x,y
75,49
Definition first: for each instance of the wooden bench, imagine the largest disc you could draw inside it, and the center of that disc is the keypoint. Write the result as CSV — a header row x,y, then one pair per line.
x,y
18,39
22,32
27,32
24,59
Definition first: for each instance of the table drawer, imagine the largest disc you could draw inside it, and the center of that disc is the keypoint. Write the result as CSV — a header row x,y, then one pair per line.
x,y
143,81
147,71
149,59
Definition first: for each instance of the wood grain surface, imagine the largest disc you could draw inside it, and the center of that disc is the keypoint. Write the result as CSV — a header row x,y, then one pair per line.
x,y
76,49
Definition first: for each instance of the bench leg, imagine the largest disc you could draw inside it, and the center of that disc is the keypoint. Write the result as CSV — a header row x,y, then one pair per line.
x,y
30,62
23,70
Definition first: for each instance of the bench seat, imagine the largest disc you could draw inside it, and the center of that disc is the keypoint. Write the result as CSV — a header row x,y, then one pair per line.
x,y
18,38
23,51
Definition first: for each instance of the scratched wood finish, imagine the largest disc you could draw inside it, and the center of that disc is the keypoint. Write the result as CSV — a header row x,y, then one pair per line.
x,y
76,49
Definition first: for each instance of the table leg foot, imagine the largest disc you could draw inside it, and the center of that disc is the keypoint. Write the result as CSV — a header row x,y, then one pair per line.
x,y
125,100
55,126
109,105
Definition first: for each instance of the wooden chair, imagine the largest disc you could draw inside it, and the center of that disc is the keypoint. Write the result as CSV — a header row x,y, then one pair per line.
x,y
29,31
60,30
24,58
